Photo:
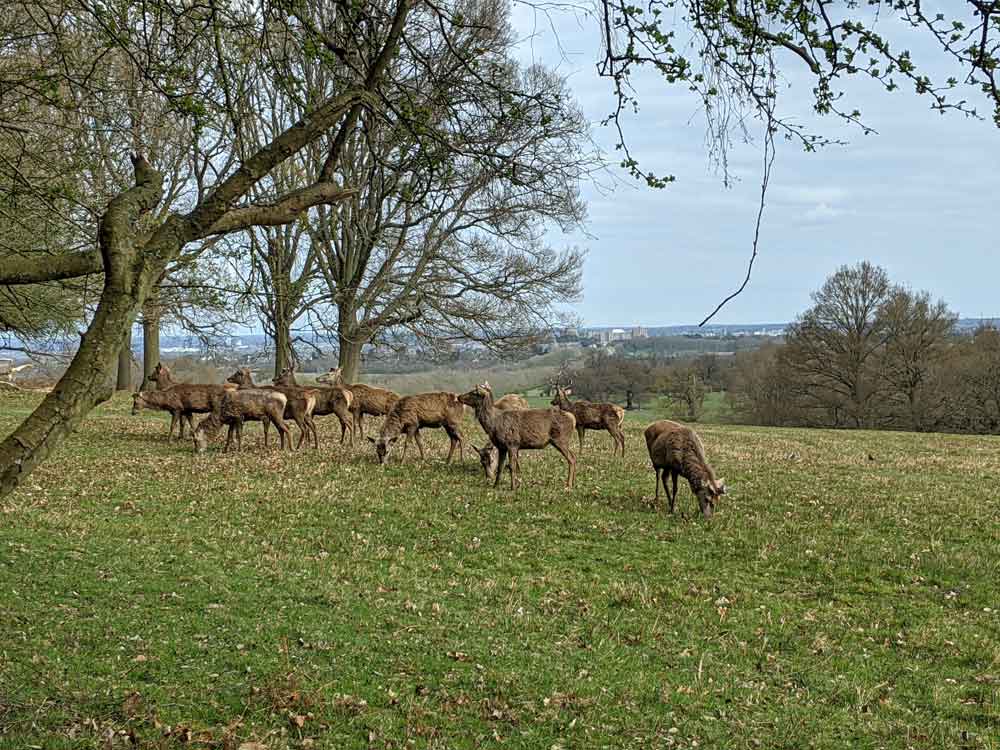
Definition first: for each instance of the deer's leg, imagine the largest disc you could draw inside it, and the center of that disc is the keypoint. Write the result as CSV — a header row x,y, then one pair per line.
x,y
456,439
311,423
501,460
515,468
673,495
656,497
580,431
420,443
343,429
284,432
617,437
570,463
303,428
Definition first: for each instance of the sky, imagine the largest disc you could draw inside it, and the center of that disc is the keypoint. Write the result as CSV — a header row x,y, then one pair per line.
x,y
920,198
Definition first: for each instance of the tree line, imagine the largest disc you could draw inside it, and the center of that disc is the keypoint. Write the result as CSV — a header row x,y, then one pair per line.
x,y
872,354
868,354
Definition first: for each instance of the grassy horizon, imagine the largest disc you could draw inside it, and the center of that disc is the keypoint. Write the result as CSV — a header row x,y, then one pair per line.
x,y
847,593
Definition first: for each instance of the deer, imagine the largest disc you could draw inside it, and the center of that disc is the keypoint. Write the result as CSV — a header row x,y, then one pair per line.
x,y
487,454
244,405
334,400
299,406
515,429
676,450
367,399
411,413
593,416
180,399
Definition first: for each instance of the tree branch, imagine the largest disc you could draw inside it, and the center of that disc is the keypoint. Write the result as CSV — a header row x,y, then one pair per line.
x,y
35,269
283,211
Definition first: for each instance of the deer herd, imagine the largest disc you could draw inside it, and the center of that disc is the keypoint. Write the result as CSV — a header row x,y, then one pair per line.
x,y
675,450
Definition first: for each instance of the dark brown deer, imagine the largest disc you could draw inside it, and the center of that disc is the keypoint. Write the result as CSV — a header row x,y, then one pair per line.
x,y
593,416
367,399
334,400
244,405
488,454
411,413
180,399
516,429
676,450
299,406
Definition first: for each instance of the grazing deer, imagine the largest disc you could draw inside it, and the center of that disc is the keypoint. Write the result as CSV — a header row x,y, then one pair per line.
x,y
593,416
241,405
411,413
367,399
299,406
676,450
513,429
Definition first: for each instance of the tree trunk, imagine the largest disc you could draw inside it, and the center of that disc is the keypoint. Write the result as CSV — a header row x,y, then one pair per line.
x,y
150,342
350,358
124,380
85,384
86,381
282,342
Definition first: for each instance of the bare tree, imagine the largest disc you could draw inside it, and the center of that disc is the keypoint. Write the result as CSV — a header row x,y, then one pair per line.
x,y
443,240
834,347
918,333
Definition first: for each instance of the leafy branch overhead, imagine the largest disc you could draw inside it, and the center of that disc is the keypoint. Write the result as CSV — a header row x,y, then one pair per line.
x,y
733,53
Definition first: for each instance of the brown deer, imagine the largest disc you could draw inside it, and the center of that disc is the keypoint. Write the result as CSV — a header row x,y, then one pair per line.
x,y
299,406
411,413
180,399
593,416
334,400
676,450
511,401
514,429
367,399
244,405
487,454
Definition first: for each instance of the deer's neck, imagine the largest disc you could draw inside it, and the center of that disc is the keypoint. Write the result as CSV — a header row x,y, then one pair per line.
x,y
486,414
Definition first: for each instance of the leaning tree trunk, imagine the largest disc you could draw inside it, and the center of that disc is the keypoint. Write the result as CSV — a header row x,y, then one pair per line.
x,y
86,381
124,380
150,341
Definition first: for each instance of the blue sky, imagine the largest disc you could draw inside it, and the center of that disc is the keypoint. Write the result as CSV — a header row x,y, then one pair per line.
x,y
920,198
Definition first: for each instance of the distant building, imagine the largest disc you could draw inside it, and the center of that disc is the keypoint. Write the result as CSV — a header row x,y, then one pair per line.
x,y
640,332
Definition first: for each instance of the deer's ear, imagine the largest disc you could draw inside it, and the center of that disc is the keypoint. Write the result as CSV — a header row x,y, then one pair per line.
x,y
720,486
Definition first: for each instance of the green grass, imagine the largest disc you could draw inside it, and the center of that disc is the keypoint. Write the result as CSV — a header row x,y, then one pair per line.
x,y
316,600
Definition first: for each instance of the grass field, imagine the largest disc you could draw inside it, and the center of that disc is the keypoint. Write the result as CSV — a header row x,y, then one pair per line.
x,y
156,599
